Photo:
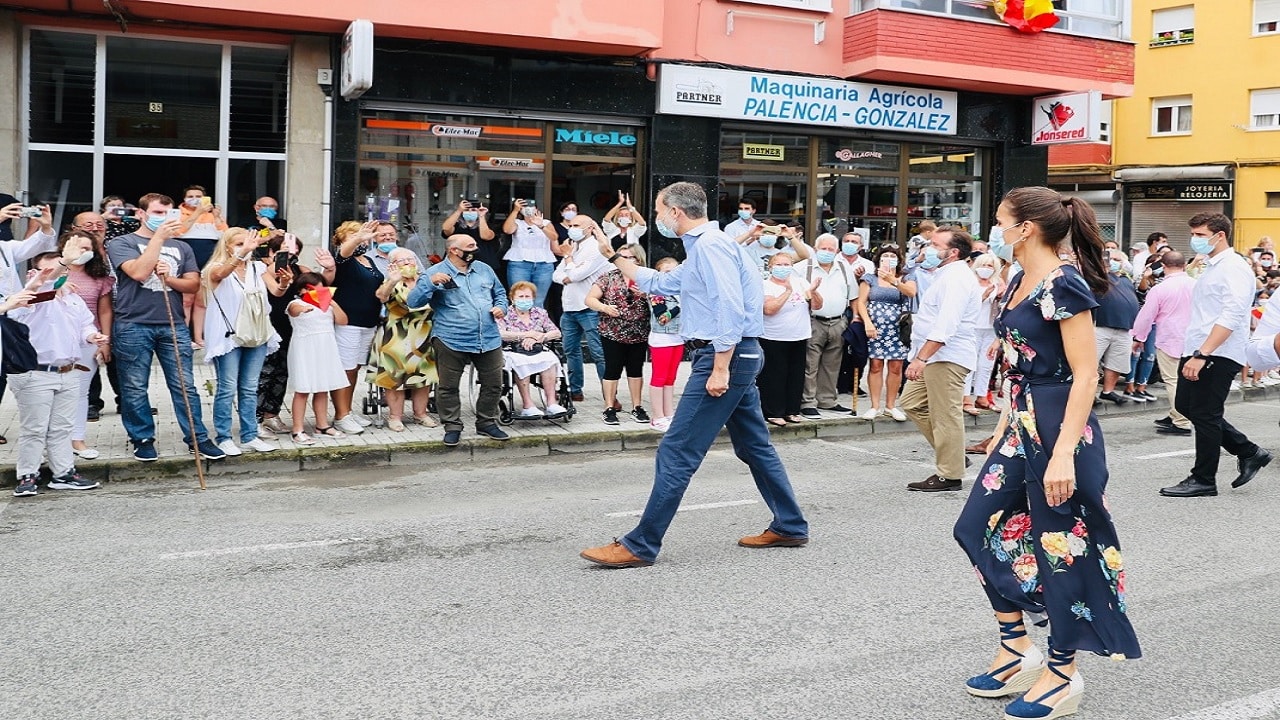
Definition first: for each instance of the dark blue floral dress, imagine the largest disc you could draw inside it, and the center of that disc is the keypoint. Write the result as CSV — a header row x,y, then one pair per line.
x,y
1064,561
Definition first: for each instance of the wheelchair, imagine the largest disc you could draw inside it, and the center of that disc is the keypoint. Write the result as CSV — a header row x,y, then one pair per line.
x,y
507,413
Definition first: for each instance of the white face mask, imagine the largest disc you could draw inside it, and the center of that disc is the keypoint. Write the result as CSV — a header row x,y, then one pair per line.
x,y
624,221
576,234
985,272
84,258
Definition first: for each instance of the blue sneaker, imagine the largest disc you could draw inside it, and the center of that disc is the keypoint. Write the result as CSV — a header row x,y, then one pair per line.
x,y
209,450
145,450
493,432
26,486
452,437
72,481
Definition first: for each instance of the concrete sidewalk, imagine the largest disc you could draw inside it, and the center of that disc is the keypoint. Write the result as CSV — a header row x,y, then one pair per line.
x,y
418,445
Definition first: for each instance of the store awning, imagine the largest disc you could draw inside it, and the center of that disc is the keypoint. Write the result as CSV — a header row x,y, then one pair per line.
x,y
1176,172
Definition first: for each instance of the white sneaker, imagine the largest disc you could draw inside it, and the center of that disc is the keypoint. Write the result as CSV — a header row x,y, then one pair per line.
x,y
260,445
86,454
661,424
349,425
364,422
229,448
529,412
869,413
554,409
1235,384
897,414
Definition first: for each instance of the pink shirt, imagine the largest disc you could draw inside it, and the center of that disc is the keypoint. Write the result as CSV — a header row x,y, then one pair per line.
x,y
1168,307
90,289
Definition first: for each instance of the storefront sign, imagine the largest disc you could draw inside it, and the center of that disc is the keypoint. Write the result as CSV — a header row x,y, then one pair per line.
x,y
357,59
736,94
472,131
1138,192
1067,118
580,136
753,151
505,163
846,155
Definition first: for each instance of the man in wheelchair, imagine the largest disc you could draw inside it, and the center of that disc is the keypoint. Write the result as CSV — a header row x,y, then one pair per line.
x,y
526,332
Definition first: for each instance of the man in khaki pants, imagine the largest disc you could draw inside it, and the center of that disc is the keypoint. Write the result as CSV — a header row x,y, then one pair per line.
x,y
944,348
1168,309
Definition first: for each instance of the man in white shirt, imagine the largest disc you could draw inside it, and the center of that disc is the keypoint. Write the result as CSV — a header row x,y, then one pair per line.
x,y
850,255
838,289
851,248
1212,355
741,228
577,271
944,348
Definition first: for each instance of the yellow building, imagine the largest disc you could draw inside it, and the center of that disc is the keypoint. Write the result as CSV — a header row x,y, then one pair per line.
x,y
1202,129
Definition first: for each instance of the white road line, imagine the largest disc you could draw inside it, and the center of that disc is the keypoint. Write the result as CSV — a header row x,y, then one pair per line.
x,y
1259,705
1175,453
703,506
258,548
887,456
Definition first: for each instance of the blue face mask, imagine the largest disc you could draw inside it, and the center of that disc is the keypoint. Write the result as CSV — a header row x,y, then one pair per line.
x,y
997,245
744,215
1115,266
470,215
524,304
826,257
849,249
768,241
782,272
386,247
268,213
1201,245
154,222
931,258
665,230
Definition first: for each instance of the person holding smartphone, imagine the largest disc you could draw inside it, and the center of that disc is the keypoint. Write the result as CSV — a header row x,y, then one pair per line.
x,y
471,217
534,247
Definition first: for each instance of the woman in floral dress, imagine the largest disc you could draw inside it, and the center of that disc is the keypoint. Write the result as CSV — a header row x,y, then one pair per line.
x,y
1037,526
406,360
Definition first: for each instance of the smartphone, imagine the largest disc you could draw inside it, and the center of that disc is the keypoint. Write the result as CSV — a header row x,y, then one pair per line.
x,y
282,260
206,201
771,230
31,211
120,211
45,296
173,214
290,243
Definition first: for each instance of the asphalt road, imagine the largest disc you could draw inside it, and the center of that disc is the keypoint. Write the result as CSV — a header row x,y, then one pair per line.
x,y
459,594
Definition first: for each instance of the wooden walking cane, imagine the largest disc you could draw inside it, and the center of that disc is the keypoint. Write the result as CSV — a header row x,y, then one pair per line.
x,y
186,399
855,391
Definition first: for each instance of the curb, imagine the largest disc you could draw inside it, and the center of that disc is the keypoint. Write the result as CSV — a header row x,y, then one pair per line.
x,y
418,454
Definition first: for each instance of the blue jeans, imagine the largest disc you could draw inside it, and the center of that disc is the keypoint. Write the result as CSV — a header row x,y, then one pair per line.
x,y
538,273
1142,364
132,344
697,421
574,324
238,373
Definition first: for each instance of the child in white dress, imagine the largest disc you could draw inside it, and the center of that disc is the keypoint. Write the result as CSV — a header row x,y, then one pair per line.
x,y
314,366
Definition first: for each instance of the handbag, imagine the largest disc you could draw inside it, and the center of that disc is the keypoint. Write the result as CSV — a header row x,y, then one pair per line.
x,y
516,347
904,327
19,355
253,322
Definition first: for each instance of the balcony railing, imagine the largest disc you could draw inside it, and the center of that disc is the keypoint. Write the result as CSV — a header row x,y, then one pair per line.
x,y
1092,18
1173,37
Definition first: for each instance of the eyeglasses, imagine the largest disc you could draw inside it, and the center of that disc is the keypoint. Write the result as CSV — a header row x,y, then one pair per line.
x,y
628,257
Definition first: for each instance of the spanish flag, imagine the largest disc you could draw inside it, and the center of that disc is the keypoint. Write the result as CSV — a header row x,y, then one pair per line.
x,y
1028,16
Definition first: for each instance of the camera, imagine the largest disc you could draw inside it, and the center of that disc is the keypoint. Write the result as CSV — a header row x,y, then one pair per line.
x,y
31,211
120,211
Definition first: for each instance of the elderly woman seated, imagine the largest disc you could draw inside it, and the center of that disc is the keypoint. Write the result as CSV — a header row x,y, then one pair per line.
x,y
525,329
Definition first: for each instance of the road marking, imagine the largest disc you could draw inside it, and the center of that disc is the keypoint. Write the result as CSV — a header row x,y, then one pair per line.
x,y
1175,453
1251,706
703,506
258,548
887,456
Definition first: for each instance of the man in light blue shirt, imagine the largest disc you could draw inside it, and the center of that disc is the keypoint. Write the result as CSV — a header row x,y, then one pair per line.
x,y
467,299
722,316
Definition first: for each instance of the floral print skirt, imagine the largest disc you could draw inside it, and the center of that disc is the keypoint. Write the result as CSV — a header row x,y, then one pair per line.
x,y
1064,561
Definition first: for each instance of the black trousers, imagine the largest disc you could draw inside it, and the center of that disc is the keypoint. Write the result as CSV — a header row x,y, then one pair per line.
x,y
781,380
95,387
848,364
1203,402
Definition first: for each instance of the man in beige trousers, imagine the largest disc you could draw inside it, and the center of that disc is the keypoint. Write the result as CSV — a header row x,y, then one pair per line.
x,y
943,351
1168,309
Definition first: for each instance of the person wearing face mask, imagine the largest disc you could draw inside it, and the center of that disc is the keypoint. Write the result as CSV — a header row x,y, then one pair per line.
x,y
535,245
524,329
1113,321
623,224
722,316
1163,318
266,216
882,299
146,263
386,240
837,288
406,363
59,329
943,352
743,222
789,299
121,219
1213,352
96,226
466,299
851,250
471,217
89,278
1042,489
577,273
202,223
1266,262
987,267
357,278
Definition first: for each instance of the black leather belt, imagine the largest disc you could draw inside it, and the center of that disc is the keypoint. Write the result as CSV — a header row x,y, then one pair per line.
x,y
827,319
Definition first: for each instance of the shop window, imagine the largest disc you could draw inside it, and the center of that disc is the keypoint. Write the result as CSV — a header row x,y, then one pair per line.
x,y
1171,115
1264,109
1173,26
259,99
1266,16
868,205
163,94
64,180
132,176
772,169
61,81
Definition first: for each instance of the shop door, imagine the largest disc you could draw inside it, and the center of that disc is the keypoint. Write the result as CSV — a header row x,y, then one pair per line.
x,y
865,204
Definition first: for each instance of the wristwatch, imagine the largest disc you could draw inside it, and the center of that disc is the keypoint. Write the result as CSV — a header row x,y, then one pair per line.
x,y
613,258
1197,355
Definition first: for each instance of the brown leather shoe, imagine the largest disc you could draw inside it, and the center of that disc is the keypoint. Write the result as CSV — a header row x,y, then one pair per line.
x,y
978,448
769,538
933,483
613,555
